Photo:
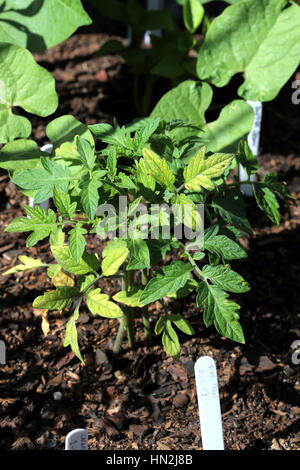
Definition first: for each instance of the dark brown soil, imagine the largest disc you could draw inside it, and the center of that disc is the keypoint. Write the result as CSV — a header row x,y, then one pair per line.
x,y
145,400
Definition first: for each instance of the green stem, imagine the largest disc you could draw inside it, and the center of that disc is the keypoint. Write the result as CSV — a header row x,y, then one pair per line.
x,y
145,312
120,336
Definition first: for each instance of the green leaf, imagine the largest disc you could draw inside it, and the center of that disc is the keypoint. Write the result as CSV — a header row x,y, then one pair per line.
x,y
53,270
182,324
44,179
200,171
144,176
20,155
110,47
225,278
63,202
231,207
267,202
39,25
64,130
99,304
132,298
184,291
222,244
193,13
170,341
57,299
90,198
139,254
158,168
114,255
160,325
88,264
28,264
269,56
22,83
224,314
86,153
77,242
71,338
174,277
281,189
246,158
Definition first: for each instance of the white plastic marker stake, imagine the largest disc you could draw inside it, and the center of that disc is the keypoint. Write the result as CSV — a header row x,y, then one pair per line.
x,y
209,404
253,142
48,148
77,440
153,5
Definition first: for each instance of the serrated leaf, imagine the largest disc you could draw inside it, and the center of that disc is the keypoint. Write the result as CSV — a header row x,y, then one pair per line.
x,y
22,83
28,264
77,242
225,247
88,264
174,277
90,198
99,304
144,176
86,153
269,56
71,337
63,202
158,168
267,202
114,255
140,254
57,299
200,170
184,291
132,298
225,278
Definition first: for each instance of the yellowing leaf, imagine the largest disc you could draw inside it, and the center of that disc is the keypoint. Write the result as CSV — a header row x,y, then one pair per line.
x,y
158,168
114,255
45,323
200,171
28,264
132,298
99,304
62,279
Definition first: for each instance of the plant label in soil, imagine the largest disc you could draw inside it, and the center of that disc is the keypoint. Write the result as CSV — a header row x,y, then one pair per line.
x,y
209,404
77,440
253,142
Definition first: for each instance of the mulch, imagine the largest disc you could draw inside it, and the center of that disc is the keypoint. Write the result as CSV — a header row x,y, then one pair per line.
x,y
145,400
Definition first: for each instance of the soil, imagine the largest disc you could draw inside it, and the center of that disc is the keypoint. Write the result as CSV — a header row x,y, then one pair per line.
x,y
145,400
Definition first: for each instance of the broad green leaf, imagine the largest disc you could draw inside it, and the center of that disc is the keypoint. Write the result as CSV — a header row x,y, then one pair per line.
x,y
225,278
267,202
246,158
223,313
64,130
187,102
20,155
132,298
63,202
44,179
88,264
77,242
57,299
158,168
225,247
57,237
22,83
200,170
39,25
84,281
144,176
53,270
231,207
71,338
114,255
193,13
174,277
90,198
28,264
99,304
170,341
269,56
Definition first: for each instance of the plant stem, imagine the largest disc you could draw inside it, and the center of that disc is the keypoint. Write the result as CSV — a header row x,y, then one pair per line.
x,y
145,312
120,336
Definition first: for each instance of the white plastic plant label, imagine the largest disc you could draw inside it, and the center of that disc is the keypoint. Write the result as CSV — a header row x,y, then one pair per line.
x,y
209,404
253,142
153,5
77,440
